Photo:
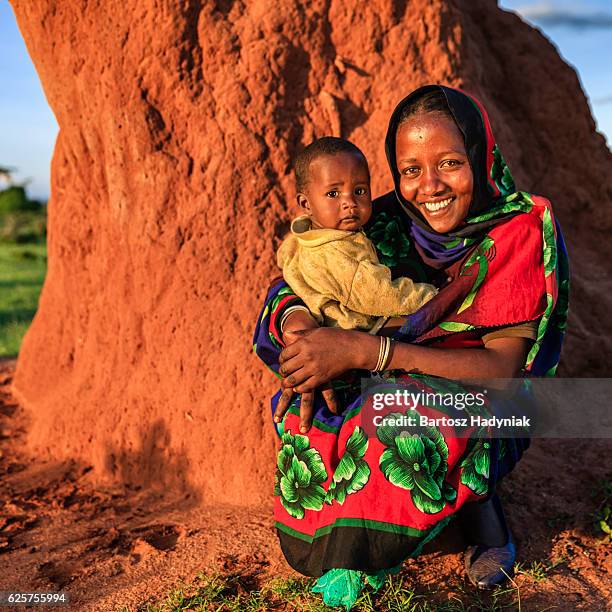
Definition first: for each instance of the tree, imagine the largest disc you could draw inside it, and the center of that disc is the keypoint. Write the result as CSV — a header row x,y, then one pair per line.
x,y
6,175
14,199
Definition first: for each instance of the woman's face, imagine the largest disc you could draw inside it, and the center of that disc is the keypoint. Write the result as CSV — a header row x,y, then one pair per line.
x,y
435,174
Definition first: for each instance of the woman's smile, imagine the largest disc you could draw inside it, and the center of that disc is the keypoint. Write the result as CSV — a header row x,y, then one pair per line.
x,y
438,207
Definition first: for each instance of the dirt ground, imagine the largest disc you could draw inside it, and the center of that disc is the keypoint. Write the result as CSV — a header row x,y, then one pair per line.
x,y
121,547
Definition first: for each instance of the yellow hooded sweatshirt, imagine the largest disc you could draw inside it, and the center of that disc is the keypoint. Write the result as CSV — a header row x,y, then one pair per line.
x,y
338,276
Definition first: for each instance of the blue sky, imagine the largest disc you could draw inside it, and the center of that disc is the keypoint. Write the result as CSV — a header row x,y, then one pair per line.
x,y
581,30
27,125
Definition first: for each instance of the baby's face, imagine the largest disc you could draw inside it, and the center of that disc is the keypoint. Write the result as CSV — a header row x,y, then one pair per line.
x,y
338,192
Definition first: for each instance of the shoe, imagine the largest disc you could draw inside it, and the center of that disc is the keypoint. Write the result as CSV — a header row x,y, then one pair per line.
x,y
488,566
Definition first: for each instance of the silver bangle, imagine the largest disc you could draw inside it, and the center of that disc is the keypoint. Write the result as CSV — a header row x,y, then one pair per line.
x,y
387,355
384,352
290,310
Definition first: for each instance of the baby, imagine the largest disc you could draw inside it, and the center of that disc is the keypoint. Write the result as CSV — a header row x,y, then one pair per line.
x,y
327,259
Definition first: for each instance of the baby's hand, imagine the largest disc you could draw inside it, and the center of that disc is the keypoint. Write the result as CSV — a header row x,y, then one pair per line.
x,y
300,319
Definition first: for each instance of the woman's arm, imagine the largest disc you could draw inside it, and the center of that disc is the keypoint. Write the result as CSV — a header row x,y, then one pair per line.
x,y
319,355
267,339
500,358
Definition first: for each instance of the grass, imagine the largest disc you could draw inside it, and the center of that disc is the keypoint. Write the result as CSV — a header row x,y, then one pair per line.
x,y
538,570
236,593
602,516
22,272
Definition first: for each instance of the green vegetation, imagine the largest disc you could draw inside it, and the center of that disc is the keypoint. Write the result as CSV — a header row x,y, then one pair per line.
x,y
14,199
238,593
28,226
21,219
22,272
23,262
602,517
538,570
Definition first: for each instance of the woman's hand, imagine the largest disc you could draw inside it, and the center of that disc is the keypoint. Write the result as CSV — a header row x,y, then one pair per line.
x,y
314,357
295,323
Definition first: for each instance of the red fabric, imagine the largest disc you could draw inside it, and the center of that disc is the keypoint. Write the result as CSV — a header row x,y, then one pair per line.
x,y
514,289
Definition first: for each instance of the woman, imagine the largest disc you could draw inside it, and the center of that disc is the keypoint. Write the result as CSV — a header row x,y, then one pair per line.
x,y
352,506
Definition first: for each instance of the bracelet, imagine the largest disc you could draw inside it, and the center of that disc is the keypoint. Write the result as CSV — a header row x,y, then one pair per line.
x,y
384,352
378,325
386,355
289,310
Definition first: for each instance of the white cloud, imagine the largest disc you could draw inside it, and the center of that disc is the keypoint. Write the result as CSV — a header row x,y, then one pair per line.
x,y
571,15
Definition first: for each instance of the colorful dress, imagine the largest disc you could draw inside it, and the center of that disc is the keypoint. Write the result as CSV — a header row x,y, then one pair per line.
x,y
352,498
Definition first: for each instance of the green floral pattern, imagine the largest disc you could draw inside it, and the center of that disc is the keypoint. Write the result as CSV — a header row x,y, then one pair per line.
x,y
500,173
389,238
519,201
455,326
352,472
476,465
550,265
482,255
299,475
417,463
550,243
